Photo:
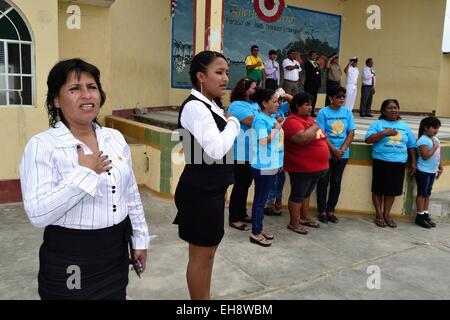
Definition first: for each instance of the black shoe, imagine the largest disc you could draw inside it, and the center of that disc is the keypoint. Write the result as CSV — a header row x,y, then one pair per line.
x,y
333,219
420,220
323,218
361,116
428,219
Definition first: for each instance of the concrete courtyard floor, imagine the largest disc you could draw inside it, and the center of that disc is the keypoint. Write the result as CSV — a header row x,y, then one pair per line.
x,y
329,263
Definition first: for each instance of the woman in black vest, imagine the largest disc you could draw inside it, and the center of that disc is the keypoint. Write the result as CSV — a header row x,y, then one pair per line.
x,y
208,136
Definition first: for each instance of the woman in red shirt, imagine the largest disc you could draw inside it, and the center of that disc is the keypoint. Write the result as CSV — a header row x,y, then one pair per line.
x,y
306,159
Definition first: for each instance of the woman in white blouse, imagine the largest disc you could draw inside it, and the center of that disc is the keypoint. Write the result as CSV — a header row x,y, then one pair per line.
x,y
78,183
208,135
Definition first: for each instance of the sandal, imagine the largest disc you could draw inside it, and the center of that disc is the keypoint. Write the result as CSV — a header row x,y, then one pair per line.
x,y
267,235
241,227
247,219
261,241
323,218
299,229
391,224
310,223
380,222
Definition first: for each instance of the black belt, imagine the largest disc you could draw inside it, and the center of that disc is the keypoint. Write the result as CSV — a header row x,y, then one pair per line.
x,y
290,80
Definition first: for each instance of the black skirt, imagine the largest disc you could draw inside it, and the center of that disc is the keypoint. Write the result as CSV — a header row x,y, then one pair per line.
x,y
388,177
200,215
84,264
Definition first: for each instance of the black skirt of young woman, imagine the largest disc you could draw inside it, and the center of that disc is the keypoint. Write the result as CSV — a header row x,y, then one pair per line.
x,y
84,264
200,215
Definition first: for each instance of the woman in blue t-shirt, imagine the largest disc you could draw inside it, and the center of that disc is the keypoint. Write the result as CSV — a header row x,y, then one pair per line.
x,y
267,146
339,126
245,110
429,167
392,140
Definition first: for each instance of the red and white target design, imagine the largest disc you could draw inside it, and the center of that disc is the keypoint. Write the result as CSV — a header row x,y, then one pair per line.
x,y
269,10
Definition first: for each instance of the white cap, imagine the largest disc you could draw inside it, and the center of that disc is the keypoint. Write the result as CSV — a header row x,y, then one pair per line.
x,y
280,93
354,58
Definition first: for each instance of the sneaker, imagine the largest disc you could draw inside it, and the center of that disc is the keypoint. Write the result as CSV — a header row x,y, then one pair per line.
x,y
421,221
428,219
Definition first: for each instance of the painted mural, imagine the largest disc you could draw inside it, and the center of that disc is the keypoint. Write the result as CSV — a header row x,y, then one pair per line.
x,y
296,28
182,42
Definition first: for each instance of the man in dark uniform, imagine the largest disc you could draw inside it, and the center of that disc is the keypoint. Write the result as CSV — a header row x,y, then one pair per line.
x,y
313,79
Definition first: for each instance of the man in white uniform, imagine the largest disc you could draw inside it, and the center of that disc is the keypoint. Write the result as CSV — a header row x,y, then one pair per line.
x,y
352,82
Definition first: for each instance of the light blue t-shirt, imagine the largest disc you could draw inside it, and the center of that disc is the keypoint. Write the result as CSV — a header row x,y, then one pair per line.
x,y
392,149
282,111
242,110
432,164
336,124
268,157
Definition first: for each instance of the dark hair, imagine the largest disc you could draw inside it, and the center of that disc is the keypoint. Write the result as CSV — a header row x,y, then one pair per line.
x,y
311,52
200,63
335,90
262,94
58,77
298,100
254,47
332,55
272,52
384,106
240,89
290,51
368,60
427,123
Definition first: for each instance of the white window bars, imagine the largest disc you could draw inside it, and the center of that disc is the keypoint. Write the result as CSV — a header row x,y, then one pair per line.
x,y
16,59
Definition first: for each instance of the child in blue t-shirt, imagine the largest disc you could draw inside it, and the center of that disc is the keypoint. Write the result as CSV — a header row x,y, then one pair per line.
x,y
266,160
429,167
274,201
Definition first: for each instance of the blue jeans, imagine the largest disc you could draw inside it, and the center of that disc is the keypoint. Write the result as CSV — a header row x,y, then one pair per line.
x,y
276,193
263,185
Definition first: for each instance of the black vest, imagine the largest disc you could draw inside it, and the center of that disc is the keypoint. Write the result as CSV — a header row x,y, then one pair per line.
x,y
201,171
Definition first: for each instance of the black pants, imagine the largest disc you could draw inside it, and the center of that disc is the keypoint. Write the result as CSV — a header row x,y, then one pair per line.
x,y
330,84
271,84
333,178
365,108
238,199
313,92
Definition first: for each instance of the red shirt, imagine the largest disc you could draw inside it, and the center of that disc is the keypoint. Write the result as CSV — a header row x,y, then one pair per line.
x,y
313,157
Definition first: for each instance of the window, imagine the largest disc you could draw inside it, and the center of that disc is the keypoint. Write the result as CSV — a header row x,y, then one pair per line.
x,y
16,58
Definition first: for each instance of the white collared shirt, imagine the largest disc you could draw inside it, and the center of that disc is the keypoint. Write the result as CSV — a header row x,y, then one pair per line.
x,y
352,76
292,75
198,120
58,191
367,75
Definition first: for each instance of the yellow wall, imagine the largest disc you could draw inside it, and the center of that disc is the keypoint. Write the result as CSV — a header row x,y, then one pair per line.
x,y
406,51
444,87
140,50
91,43
18,124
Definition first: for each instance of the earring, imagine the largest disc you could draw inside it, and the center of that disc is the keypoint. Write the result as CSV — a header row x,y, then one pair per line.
x,y
201,87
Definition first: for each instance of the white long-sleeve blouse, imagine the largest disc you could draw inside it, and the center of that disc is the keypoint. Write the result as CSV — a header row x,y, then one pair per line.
x,y
58,191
